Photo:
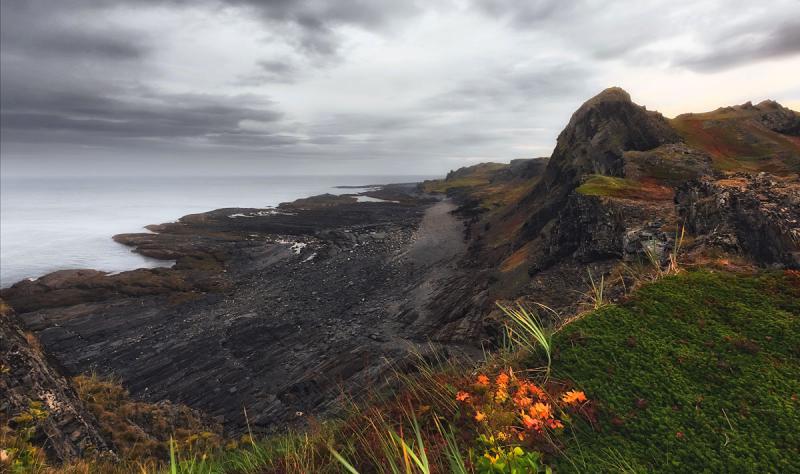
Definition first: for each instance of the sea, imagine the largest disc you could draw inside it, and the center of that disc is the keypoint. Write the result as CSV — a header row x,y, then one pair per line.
x,y
58,223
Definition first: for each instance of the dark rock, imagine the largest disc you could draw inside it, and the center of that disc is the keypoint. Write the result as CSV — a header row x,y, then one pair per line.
x,y
759,215
309,300
69,431
594,142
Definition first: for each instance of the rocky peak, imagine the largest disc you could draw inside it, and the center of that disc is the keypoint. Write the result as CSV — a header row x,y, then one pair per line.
x,y
602,129
594,141
778,118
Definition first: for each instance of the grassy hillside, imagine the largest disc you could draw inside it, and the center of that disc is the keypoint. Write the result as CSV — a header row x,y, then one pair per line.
x,y
737,141
698,372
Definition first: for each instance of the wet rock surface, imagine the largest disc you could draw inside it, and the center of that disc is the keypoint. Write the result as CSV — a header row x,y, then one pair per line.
x,y
272,310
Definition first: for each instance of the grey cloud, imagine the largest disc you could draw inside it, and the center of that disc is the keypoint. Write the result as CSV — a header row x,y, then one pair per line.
x,y
101,44
526,14
283,71
311,24
66,30
782,39
516,86
733,32
97,111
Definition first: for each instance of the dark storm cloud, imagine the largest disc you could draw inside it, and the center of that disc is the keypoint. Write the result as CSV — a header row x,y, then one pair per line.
x,y
736,48
103,44
65,109
43,30
60,83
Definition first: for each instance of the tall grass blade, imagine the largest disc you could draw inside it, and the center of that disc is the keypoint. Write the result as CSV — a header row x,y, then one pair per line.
x,y
173,465
343,461
457,464
528,332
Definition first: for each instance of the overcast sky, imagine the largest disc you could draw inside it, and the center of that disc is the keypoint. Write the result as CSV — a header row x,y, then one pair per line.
x,y
360,86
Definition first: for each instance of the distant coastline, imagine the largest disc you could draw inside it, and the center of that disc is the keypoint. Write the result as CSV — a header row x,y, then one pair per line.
x,y
51,223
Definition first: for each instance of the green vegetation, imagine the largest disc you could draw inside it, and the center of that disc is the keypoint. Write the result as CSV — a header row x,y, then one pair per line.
x,y
735,143
445,185
698,372
609,186
465,178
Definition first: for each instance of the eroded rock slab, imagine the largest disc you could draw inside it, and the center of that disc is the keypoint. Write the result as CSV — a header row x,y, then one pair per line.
x,y
311,298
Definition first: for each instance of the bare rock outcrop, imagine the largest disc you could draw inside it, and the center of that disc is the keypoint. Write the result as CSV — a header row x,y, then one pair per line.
x,y
754,214
594,142
36,397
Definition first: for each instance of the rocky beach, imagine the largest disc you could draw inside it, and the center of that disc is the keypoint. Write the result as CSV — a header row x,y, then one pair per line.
x,y
276,311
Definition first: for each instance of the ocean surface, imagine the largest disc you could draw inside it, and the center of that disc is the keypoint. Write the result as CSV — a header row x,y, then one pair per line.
x,y
49,224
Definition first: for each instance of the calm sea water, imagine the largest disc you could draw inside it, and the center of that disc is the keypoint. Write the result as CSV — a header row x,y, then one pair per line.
x,y
49,224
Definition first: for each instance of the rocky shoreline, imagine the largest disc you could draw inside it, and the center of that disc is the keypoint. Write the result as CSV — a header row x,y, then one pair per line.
x,y
270,310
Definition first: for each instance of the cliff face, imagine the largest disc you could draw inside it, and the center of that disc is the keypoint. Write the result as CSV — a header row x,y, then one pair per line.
x,y
36,397
745,214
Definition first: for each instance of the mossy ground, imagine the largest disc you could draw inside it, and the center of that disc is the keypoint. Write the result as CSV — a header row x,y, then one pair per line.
x,y
608,186
697,373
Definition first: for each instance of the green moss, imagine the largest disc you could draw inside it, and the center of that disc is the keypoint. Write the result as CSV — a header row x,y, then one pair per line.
x,y
444,185
698,373
599,185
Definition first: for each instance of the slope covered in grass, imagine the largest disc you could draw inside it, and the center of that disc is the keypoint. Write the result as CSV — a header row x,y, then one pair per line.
x,y
697,373
746,137
599,185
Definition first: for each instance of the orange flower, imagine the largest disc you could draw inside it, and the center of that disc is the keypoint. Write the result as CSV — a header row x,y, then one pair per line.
x,y
573,397
529,388
479,416
522,401
534,390
462,396
554,424
531,423
502,379
483,380
541,410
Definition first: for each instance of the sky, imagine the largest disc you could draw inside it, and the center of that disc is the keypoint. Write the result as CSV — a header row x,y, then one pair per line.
x,y
206,87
